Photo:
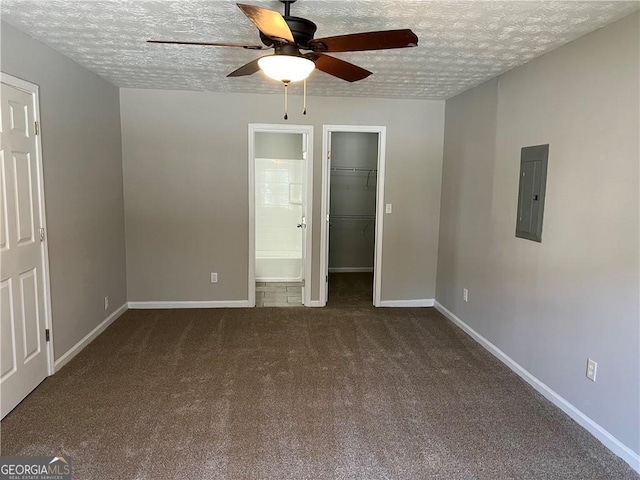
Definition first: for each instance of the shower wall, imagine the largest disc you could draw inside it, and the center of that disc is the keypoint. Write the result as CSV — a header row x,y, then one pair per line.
x,y
279,189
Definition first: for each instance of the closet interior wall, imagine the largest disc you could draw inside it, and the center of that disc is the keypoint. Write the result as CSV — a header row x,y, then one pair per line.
x,y
352,212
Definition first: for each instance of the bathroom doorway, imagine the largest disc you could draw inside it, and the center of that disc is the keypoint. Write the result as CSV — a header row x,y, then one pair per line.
x,y
351,233
280,171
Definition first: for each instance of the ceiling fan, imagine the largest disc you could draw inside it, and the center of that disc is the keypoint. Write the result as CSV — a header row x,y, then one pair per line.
x,y
288,35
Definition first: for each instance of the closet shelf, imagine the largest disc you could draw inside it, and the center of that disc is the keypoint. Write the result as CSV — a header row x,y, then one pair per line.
x,y
368,171
354,169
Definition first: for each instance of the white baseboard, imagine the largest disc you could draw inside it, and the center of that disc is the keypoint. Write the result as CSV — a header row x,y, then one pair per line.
x,y
350,269
77,348
316,303
206,304
424,302
608,440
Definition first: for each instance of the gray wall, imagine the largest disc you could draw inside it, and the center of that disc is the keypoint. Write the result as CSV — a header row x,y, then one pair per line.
x,y
549,306
185,164
82,158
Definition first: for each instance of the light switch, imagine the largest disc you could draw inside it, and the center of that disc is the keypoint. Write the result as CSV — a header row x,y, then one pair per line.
x,y
388,208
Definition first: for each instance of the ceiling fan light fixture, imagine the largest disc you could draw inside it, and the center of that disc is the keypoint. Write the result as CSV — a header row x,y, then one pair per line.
x,y
286,68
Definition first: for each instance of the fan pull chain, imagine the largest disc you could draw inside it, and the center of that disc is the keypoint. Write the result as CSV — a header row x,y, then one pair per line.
x,y
304,110
286,106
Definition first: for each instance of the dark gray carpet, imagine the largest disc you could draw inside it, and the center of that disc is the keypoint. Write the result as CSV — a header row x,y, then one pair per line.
x,y
282,393
350,289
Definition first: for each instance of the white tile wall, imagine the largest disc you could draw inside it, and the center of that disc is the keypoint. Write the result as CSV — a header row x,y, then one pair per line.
x,y
279,189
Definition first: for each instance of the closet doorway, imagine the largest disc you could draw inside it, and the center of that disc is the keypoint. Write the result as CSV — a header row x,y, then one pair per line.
x,y
280,176
352,207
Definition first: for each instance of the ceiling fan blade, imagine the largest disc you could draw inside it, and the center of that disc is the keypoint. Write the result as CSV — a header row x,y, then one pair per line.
x,y
269,22
248,69
338,68
357,42
210,44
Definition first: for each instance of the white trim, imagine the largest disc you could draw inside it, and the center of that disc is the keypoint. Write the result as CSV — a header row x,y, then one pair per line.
x,y
324,215
251,187
88,338
326,180
19,83
377,262
34,90
608,440
350,269
307,132
317,303
203,304
308,248
423,302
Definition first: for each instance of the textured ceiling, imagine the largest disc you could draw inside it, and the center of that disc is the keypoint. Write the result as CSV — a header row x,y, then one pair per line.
x,y
461,43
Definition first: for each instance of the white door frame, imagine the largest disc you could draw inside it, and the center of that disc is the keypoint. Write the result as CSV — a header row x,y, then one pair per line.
x,y
324,226
34,91
306,130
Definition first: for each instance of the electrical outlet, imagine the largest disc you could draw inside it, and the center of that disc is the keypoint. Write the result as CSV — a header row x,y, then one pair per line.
x,y
592,369
214,277
106,302
388,208
465,294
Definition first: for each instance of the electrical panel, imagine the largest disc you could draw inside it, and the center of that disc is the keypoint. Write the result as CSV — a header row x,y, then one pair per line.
x,y
533,181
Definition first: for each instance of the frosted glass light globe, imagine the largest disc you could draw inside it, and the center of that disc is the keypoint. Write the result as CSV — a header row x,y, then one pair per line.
x,y
286,68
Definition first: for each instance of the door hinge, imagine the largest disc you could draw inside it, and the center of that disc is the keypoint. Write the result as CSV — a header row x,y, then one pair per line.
x,y
303,282
42,234
37,128
47,335
326,278
329,155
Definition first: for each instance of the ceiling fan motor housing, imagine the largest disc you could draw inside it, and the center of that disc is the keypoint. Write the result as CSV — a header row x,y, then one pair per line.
x,y
302,29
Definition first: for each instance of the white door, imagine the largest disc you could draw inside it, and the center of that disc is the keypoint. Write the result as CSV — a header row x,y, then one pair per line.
x,y
23,354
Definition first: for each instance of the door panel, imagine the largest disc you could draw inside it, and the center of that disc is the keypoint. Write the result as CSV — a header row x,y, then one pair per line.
x,y
30,316
23,182
18,115
22,326
7,332
4,226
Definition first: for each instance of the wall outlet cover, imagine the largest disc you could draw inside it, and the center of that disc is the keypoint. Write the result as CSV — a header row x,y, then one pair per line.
x,y
592,369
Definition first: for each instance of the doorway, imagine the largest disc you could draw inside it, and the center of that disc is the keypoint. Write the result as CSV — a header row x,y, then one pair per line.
x,y
26,355
352,206
280,176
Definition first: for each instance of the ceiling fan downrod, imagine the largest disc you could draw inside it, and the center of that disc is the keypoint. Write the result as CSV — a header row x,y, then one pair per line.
x,y
287,7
